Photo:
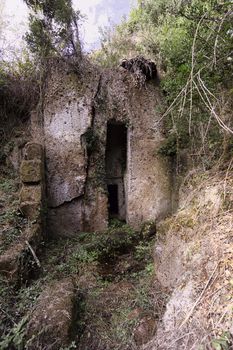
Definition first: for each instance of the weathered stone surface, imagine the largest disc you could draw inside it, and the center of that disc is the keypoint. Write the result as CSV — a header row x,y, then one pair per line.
x,y
30,210
16,261
51,320
66,159
31,194
65,220
34,234
9,261
63,187
31,171
33,151
96,208
76,174
145,330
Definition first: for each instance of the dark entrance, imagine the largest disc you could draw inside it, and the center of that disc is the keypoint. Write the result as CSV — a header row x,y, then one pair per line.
x,y
113,200
116,162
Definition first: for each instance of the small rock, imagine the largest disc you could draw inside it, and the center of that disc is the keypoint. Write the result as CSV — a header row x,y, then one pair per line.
x,y
31,194
9,261
145,330
30,210
31,171
33,151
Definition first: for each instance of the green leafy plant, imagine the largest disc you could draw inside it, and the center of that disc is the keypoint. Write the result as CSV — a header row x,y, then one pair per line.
x,y
223,342
143,251
53,28
191,43
91,140
15,339
70,347
115,223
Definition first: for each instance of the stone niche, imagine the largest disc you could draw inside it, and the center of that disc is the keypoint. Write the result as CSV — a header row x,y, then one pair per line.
x,y
116,169
101,134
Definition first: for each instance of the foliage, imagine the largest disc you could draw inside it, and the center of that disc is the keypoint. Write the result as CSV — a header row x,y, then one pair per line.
x,y
15,308
15,338
115,45
115,242
53,28
19,91
115,223
192,43
53,32
99,247
87,257
197,74
143,251
19,77
71,346
91,140
223,342
10,221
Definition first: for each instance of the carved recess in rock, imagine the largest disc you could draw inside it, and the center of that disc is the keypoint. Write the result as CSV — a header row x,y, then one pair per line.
x,y
77,185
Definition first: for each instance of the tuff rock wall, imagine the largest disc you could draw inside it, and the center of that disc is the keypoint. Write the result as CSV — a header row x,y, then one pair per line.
x,y
76,113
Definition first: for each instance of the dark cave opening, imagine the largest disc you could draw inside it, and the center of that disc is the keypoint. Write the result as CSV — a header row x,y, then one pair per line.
x,y
116,164
113,199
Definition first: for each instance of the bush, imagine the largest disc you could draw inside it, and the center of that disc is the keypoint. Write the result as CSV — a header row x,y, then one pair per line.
x,y
191,43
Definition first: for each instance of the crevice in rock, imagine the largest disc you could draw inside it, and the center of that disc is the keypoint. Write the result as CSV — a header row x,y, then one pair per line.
x,y
67,202
89,139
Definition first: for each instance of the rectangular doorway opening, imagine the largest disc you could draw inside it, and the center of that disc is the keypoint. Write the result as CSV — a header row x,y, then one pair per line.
x,y
115,167
113,200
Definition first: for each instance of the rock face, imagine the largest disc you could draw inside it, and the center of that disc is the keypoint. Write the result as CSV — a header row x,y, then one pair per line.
x,y
32,178
83,192
145,330
9,262
193,261
15,262
51,321
30,171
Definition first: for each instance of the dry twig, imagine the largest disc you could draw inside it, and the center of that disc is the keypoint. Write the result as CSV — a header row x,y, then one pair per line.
x,y
199,298
33,254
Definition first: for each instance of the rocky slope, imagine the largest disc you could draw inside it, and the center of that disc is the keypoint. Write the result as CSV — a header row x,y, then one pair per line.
x,y
194,260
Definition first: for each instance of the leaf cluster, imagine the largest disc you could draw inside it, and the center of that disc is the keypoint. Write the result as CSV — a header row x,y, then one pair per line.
x,y
53,28
192,45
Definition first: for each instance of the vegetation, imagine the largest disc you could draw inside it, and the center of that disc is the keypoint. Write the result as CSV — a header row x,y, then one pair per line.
x,y
192,44
53,28
10,221
53,33
20,78
113,273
